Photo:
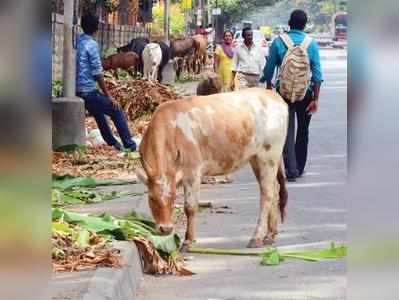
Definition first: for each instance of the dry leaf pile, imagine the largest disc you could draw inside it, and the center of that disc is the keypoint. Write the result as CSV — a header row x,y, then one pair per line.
x,y
154,264
103,162
68,257
139,97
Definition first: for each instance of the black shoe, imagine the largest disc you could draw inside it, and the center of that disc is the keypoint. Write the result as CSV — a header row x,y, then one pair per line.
x,y
291,179
118,147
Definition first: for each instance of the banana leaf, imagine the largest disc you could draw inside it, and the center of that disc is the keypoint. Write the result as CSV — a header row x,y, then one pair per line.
x,y
166,244
120,229
272,257
269,257
95,224
317,255
66,182
84,196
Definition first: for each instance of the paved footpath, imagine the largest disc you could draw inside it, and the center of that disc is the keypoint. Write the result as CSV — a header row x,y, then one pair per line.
x,y
316,216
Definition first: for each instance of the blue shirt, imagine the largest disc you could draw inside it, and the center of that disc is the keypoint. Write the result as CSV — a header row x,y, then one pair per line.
x,y
277,52
88,63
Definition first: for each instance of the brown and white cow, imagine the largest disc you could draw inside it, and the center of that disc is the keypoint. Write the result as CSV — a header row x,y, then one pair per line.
x,y
216,135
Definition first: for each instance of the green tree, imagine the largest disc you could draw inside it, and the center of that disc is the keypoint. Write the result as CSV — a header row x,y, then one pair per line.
x,y
176,18
235,10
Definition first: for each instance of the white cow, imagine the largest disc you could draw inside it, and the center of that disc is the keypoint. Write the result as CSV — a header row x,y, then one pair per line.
x,y
152,56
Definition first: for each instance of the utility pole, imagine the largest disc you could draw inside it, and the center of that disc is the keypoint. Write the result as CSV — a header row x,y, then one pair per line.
x,y
209,13
199,22
69,55
167,20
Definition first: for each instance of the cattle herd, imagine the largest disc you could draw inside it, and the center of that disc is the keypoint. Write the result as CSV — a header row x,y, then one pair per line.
x,y
150,58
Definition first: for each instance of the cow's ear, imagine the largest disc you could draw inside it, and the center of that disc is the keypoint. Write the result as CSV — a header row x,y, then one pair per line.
x,y
141,175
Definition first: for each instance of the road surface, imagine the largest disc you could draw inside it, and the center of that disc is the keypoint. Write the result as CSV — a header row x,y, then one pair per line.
x,y
316,215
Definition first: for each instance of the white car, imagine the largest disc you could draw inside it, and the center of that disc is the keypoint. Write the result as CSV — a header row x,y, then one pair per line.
x,y
258,38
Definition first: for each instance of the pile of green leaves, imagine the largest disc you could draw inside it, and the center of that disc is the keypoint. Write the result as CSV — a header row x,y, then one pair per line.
x,y
110,227
108,52
75,248
68,190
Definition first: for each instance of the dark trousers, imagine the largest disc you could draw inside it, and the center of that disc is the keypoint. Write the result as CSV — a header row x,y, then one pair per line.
x,y
98,105
296,147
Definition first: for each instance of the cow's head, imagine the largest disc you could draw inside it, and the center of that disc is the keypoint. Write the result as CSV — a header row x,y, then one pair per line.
x,y
161,196
107,63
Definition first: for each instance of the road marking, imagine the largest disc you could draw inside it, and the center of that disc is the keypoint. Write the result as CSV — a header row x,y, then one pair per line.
x,y
315,184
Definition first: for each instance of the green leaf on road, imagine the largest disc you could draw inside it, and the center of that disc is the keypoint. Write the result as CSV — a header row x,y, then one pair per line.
x,y
271,257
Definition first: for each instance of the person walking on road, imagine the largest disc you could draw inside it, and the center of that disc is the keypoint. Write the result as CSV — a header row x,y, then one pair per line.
x,y
248,63
296,148
89,72
223,60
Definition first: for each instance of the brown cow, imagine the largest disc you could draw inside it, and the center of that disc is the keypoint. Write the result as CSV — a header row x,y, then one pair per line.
x,y
124,60
215,135
201,44
180,49
211,84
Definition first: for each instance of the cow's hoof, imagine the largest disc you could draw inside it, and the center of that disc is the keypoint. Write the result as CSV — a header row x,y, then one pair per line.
x,y
255,243
268,241
185,246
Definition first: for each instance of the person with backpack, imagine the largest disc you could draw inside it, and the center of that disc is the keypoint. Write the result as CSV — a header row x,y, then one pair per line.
x,y
297,58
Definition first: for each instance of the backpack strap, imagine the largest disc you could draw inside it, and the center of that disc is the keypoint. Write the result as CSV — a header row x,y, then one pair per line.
x,y
287,40
306,42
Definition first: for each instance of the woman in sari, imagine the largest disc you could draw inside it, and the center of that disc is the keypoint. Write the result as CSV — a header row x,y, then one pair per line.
x,y
223,60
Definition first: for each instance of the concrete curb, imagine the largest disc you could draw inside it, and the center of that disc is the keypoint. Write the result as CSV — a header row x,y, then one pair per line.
x,y
117,284
103,283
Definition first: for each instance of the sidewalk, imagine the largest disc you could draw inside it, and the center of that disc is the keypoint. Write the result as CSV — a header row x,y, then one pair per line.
x,y
102,283
106,283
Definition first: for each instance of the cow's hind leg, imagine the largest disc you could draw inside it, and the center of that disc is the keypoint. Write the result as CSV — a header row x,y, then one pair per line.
x,y
191,193
265,170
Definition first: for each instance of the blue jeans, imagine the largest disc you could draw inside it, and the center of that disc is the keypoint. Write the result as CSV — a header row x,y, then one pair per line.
x,y
296,146
98,106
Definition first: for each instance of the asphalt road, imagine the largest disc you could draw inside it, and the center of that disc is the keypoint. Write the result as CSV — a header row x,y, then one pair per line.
x,y
316,216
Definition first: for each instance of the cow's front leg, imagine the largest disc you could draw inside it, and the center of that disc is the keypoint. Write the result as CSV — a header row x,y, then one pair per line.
x,y
154,73
191,194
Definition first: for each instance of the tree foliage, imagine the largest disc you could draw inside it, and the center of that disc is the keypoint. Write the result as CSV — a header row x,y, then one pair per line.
x,y
176,18
235,10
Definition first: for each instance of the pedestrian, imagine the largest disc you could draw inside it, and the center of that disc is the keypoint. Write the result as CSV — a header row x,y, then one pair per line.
x,y
210,34
296,148
248,63
89,72
223,60
201,30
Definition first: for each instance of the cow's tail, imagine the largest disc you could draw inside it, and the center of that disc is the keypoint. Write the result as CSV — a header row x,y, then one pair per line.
x,y
283,194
